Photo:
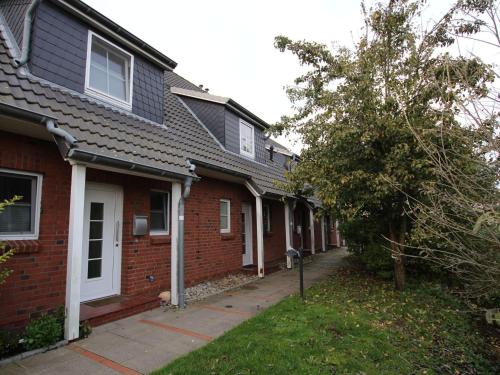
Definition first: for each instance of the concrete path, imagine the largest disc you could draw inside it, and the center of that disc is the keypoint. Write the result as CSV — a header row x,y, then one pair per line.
x,y
147,341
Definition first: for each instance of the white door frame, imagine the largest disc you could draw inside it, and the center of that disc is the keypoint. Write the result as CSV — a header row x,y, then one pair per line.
x,y
246,209
117,235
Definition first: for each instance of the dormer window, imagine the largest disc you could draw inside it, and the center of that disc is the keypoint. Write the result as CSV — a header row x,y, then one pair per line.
x,y
109,72
247,145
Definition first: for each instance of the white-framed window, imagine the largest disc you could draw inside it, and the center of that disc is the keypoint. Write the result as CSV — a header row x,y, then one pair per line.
x,y
159,213
109,72
247,144
21,220
225,216
266,217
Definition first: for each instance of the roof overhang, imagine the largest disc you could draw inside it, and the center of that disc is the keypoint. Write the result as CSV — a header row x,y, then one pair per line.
x,y
103,24
124,166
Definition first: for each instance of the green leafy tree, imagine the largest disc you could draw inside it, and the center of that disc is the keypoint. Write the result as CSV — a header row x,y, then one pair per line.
x,y
457,217
353,107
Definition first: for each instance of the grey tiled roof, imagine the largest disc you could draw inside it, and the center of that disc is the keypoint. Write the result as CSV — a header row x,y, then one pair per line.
x,y
202,146
104,131
278,147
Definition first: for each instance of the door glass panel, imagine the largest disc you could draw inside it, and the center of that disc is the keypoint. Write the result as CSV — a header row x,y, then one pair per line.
x,y
95,230
94,268
95,249
96,211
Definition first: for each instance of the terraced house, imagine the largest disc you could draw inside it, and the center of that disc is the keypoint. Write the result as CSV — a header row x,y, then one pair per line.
x,y
133,180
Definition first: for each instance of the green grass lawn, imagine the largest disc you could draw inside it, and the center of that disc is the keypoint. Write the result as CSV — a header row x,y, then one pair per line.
x,y
350,324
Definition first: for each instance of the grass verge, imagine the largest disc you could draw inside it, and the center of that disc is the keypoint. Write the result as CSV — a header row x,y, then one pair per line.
x,y
351,323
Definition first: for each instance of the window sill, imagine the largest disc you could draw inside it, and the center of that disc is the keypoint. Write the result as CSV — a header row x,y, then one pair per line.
x,y
226,236
108,99
159,239
22,246
247,156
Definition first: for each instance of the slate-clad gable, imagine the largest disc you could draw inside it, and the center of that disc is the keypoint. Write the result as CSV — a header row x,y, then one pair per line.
x,y
210,114
233,137
147,97
14,11
232,132
59,53
59,47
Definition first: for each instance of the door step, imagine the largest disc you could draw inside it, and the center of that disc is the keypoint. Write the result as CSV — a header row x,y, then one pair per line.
x,y
109,309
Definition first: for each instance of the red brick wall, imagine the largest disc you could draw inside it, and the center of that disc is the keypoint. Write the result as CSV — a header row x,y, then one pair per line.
x,y
37,284
38,281
275,241
208,253
141,255
301,215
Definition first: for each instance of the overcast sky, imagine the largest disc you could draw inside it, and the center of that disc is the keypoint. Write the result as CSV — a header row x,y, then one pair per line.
x,y
227,45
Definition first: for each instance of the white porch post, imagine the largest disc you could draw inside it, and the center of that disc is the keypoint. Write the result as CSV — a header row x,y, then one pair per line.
x,y
260,235
287,234
311,228
75,252
323,235
174,287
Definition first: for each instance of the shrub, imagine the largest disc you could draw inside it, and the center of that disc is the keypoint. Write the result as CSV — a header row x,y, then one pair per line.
x,y
5,255
44,331
9,343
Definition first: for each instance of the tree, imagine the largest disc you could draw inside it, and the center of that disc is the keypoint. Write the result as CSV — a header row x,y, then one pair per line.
x,y
457,218
353,108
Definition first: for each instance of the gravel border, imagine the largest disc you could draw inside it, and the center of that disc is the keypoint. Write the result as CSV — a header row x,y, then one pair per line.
x,y
210,288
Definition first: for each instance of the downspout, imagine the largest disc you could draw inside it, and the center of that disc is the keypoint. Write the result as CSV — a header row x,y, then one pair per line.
x,y
188,181
51,127
28,19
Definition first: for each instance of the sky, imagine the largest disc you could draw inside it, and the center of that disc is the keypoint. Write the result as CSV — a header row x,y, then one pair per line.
x,y
227,45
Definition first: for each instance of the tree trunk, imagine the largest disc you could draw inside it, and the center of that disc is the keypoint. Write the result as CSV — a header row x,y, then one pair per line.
x,y
397,246
399,273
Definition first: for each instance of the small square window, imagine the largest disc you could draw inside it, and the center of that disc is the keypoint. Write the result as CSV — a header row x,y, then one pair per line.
x,y
247,146
225,216
21,219
109,72
159,213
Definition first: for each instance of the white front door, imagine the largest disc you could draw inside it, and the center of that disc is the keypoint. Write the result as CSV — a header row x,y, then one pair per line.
x,y
101,260
246,233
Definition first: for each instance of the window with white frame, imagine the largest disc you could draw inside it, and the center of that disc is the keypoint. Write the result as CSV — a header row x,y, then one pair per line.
x,y
109,72
225,216
247,146
20,221
266,217
159,213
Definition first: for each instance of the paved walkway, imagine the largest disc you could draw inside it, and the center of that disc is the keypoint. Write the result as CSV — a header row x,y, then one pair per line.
x,y
147,341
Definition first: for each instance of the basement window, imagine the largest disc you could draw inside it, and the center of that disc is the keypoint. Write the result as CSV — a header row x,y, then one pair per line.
x,y
109,73
247,146
159,213
21,220
225,216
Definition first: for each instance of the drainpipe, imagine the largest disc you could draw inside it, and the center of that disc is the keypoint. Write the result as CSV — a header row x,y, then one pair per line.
x,y
28,19
188,181
53,129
